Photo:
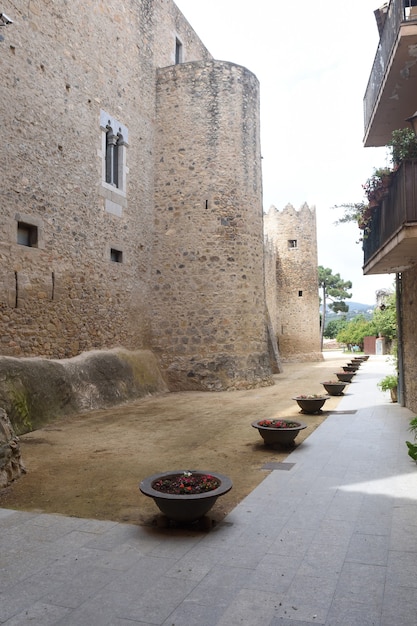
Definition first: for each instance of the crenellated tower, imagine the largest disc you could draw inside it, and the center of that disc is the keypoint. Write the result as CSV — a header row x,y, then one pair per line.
x,y
292,281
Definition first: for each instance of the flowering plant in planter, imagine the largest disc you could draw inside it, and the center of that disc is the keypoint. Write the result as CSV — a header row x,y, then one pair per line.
x,y
314,396
183,495
334,387
276,431
377,185
311,403
186,483
277,423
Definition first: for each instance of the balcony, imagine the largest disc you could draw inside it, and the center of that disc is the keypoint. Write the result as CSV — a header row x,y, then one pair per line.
x,y
391,245
391,92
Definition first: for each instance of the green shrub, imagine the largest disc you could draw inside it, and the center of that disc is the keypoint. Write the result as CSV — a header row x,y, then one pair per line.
x,y
388,383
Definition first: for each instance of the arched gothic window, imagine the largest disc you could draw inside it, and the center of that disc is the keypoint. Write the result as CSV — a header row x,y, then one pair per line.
x,y
113,154
114,146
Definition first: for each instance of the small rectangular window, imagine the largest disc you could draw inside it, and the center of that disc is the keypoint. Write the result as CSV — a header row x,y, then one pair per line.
x,y
27,235
300,293
116,255
292,243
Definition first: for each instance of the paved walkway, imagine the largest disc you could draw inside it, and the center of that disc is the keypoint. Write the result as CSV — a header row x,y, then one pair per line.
x,y
333,541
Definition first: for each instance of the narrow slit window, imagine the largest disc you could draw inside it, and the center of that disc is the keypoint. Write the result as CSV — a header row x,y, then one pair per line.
x,y
300,293
178,51
27,235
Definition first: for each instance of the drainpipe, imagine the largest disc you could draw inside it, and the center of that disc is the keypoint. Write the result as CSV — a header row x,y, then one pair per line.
x,y
400,364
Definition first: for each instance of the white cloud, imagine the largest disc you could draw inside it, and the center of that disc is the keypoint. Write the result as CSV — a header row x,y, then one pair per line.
x,y
313,61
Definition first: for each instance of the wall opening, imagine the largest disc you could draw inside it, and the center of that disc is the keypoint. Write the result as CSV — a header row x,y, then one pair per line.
x,y
178,51
116,255
27,235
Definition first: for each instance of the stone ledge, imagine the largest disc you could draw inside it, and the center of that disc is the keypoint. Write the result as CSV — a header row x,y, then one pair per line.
x,y
35,391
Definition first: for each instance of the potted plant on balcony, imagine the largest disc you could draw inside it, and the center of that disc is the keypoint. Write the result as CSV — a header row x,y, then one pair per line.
x,y
377,185
403,146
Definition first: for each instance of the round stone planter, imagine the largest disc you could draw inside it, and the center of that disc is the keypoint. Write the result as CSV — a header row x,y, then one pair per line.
x,y
279,436
350,368
184,507
334,389
310,405
345,377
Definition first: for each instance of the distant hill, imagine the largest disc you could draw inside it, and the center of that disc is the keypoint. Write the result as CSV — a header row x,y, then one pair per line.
x,y
355,308
358,306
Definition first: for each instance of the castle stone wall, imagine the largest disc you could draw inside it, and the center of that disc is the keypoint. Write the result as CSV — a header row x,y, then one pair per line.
x,y
408,319
292,281
170,258
62,65
208,246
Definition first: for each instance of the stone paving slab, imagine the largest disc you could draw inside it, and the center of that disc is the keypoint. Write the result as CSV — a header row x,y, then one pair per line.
x,y
332,540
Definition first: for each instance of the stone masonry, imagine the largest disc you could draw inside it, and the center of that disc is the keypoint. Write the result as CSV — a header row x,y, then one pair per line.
x,y
11,463
292,291
131,211
208,250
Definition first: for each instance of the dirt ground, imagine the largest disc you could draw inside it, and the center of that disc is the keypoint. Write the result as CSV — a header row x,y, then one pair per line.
x,y
90,465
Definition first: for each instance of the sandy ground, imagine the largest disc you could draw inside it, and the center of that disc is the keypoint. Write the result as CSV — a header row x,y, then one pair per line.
x,y
90,465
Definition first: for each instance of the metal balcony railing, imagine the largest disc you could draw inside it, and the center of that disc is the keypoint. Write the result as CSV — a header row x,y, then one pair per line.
x,y
398,208
398,12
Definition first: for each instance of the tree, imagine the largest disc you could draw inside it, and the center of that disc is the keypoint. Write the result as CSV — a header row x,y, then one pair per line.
x,y
385,319
383,322
355,331
333,288
333,327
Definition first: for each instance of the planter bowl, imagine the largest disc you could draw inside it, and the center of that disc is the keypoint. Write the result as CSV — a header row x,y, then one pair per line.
x,y
310,405
350,368
279,436
184,507
335,389
345,377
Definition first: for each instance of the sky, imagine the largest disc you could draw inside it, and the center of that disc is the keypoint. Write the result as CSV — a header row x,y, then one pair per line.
x,y
313,61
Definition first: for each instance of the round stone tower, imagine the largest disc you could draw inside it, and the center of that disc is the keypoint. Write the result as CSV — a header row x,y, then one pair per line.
x,y
209,323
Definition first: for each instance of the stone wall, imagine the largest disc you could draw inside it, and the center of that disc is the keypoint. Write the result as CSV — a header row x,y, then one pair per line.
x,y
292,279
208,247
11,463
408,320
62,65
36,391
170,260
